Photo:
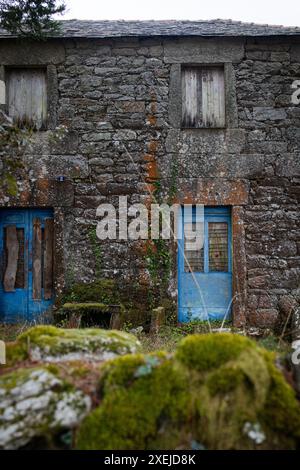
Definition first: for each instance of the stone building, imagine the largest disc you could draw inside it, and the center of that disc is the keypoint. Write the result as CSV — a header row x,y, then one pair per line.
x,y
178,112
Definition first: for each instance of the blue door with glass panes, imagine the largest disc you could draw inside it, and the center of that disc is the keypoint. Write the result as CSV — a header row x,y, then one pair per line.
x,y
26,249
205,267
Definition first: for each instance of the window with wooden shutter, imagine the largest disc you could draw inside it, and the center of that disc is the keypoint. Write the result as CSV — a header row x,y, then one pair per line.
x,y
203,97
27,97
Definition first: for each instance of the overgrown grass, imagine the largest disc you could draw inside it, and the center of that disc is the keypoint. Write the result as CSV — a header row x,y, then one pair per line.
x,y
166,338
9,332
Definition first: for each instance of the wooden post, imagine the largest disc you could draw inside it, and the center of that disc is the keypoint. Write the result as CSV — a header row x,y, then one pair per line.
x,y
12,246
116,319
48,259
37,260
157,319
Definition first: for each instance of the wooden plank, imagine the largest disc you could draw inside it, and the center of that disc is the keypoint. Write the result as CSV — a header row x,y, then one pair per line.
x,y
37,260
27,97
213,97
48,259
12,246
191,97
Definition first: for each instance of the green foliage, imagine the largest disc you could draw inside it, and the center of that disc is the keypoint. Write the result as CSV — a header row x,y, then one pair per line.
x,y
85,307
31,18
12,136
159,261
12,139
101,291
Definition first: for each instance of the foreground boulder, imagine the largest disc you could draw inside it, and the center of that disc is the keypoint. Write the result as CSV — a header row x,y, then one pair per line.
x,y
51,344
219,391
36,402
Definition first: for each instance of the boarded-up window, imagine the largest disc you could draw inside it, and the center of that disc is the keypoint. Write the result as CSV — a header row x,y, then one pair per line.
x,y
203,97
27,97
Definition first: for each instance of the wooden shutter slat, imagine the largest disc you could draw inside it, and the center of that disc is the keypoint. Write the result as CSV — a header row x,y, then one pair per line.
x,y
191,97
12,246
213,98
37,260
27,97
48,259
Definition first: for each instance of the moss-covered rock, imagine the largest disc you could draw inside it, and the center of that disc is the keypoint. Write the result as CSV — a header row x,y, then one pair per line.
x,y
144,397
51,344
36,402
219,391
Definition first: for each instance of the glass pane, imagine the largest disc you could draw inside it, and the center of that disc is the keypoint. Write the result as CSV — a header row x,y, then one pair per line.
x,y
193,250
218,246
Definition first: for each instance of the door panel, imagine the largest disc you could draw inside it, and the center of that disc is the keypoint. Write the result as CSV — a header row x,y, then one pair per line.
x,y
204,275
25,299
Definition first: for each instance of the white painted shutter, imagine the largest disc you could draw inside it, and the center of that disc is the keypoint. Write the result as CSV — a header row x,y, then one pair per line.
x,y
27,97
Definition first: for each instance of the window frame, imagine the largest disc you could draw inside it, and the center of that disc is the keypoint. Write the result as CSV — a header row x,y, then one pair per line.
x,y
9,74
201,68
175,96
51,86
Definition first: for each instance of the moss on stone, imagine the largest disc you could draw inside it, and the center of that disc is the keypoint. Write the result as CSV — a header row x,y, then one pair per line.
x,y
11,185
48,343
214,390
225,380
205,352
15,353
281,411
130,414
122,371
87,307
102,290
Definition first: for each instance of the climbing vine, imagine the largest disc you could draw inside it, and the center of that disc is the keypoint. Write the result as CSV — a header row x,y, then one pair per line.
x,y
158,255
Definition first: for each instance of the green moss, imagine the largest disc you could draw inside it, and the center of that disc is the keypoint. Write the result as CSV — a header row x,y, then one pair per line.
x,y
129,418
41,334
122,371
85,307
11,184
281,411
15,353
57,341
225,380
207,392
205,352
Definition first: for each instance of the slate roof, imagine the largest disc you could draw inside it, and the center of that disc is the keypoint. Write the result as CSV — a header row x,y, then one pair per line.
x,y
121,28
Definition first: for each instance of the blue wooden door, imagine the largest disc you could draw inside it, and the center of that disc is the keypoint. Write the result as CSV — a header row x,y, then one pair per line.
x,y
26,248
205,273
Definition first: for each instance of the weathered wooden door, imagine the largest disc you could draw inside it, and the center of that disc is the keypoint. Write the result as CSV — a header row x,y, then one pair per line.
x,y
204,274
26,247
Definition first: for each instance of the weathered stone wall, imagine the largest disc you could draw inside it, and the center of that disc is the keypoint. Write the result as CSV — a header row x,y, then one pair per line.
x,y
120,102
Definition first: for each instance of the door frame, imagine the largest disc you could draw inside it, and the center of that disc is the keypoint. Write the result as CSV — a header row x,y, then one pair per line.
x,y
210,214
30,213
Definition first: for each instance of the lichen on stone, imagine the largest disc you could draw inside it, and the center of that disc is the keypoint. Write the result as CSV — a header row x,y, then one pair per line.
x,y
37,402
51,344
